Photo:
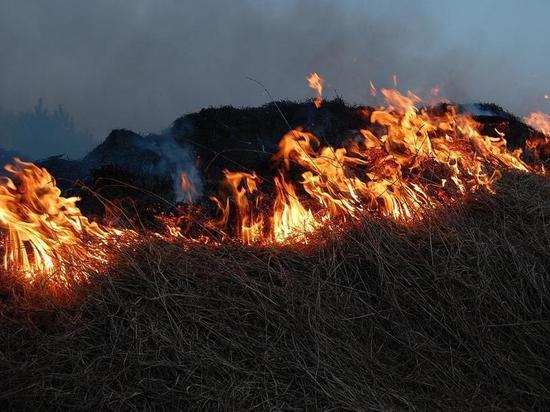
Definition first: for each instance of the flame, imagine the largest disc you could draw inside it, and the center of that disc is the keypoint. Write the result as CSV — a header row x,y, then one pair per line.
x,y
406,162
373,91
316,83
291,220
421,161
539,145
46,234
187,187
539,121
242,191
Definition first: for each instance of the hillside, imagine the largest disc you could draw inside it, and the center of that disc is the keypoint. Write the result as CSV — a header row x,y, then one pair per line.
x,y
452,314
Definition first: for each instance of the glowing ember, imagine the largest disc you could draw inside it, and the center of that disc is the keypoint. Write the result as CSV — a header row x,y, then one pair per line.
x,y
316,83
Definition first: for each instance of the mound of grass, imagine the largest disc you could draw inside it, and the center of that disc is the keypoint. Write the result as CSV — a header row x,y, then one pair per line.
x,y
452,313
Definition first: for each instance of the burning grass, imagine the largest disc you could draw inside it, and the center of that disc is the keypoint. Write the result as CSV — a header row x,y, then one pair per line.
x,y
47,239
405,268
414,161
450,314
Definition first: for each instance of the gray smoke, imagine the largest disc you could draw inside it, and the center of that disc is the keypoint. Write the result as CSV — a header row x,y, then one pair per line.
x,y
175,159
140,64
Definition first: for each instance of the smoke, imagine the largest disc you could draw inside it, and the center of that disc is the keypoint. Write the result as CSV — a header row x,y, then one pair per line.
x,y
141,64
175,160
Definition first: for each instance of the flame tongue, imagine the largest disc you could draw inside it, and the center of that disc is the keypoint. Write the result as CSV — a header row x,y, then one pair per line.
x,y
242,190
291,220
45,230
539,145
316,83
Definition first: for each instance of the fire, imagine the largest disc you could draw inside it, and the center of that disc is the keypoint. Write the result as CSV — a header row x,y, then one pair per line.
x,y
242,191
291,220
45,232
410,162
373,91
316,83
539,145
421,161
187,187
539,121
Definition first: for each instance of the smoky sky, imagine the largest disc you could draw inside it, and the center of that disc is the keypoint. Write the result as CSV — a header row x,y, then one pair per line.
x,y
140,64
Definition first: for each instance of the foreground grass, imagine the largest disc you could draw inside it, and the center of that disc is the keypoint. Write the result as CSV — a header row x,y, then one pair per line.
x,y
451,314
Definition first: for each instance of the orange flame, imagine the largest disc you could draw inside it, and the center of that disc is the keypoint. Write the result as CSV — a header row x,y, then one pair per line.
x,y
46,234
421,161
539,121
411,161
291,220
187,187
243,193
316,83
539,145
45,231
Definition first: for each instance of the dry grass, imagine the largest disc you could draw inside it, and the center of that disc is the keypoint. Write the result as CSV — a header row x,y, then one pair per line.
x,y
452,314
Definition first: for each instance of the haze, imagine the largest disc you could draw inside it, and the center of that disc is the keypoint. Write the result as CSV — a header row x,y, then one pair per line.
x,y
140,64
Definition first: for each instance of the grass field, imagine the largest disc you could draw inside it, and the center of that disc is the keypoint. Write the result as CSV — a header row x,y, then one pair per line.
x,y
453,313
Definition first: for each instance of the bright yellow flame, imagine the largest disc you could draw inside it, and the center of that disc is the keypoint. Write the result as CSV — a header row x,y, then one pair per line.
x,y
46,234
291,220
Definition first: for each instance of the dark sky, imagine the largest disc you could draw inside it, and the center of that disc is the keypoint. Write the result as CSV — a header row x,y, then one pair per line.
x,y
140,64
